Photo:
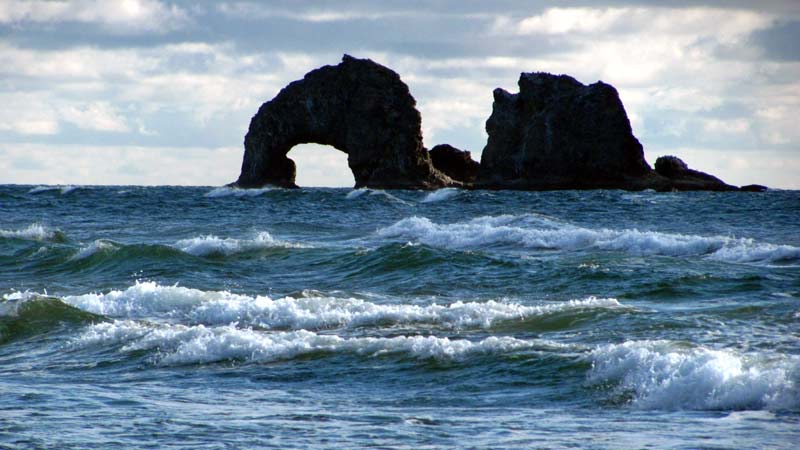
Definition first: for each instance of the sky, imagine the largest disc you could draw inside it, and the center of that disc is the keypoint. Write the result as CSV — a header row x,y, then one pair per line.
x,y
158,92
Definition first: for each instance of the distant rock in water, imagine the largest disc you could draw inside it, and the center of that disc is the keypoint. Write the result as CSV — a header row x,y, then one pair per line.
x,y
753,188
455,163
685,179
557,133
358,107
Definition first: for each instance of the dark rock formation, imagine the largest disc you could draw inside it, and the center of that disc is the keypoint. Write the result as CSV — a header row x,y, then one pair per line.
x,y
358,107
683,178
456,164
753,188
557,133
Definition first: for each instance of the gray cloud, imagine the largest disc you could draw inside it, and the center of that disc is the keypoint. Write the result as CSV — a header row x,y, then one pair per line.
x,y
695,76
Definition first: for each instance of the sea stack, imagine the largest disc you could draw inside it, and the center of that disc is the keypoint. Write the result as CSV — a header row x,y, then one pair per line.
x,y
557,133
359,107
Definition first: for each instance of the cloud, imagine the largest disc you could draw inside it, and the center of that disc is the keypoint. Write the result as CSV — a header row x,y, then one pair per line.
x,y
98,116
26,163
177,74
124,16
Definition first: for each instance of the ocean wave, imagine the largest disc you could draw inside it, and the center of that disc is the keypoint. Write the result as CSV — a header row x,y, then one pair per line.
x,y
357,193
214,246
34,232
538,232
29,313
440,195
198,344
667,376
98,246
312,312
227,191
64,190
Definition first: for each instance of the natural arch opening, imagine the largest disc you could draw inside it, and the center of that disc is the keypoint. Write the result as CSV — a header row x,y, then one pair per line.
x,y
321,166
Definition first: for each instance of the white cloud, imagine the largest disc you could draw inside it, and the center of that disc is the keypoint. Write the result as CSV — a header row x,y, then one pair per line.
x,y
98,116
732,126
571,20
116,16
118,165
321,166
26,113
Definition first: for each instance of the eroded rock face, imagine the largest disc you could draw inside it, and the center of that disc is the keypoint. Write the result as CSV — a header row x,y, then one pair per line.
x,y
557,133
683,178
358,107
455,163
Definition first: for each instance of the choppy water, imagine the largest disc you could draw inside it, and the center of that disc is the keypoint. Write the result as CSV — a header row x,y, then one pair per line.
x,y
174,317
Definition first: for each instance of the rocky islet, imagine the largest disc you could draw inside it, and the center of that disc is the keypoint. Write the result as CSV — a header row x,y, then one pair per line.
x,y
555,134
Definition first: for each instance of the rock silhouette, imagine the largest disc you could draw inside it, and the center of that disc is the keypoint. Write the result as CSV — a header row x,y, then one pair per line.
x,y
685,179
556,133
358,107
455,163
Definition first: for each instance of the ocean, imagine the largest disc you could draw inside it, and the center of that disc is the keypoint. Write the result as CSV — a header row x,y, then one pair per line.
x,y
206,318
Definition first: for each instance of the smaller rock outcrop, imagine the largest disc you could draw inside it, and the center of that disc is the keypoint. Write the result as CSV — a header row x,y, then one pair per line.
x,y
754,188
683,178
455,163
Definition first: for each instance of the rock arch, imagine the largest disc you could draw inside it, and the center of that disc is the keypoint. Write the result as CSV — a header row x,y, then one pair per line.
x,y
358,107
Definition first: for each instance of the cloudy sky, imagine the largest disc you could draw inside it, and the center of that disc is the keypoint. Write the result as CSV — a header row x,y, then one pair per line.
x,y
161,92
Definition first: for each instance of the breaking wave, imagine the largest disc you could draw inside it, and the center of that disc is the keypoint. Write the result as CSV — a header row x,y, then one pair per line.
x,y
440,195
227,191
311,312
197,344
538,232
667,376
214,246
360,192
98,246
64,190
34,232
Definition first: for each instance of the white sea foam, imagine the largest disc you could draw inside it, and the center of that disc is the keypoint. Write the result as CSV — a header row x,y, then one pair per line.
x,y
180,344
34,232
356,193
440,195
313,312
665,375
227,191
532,231
212,245
62,189
98,246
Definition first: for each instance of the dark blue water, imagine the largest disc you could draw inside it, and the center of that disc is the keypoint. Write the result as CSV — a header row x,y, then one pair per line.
x,y
172,317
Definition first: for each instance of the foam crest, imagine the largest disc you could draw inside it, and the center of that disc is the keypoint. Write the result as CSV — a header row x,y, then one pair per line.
x,y
664,375
98,246
179,344
62,189
531,231
227,191
357,193
34,232
317,312
214,246
143,298
440,195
